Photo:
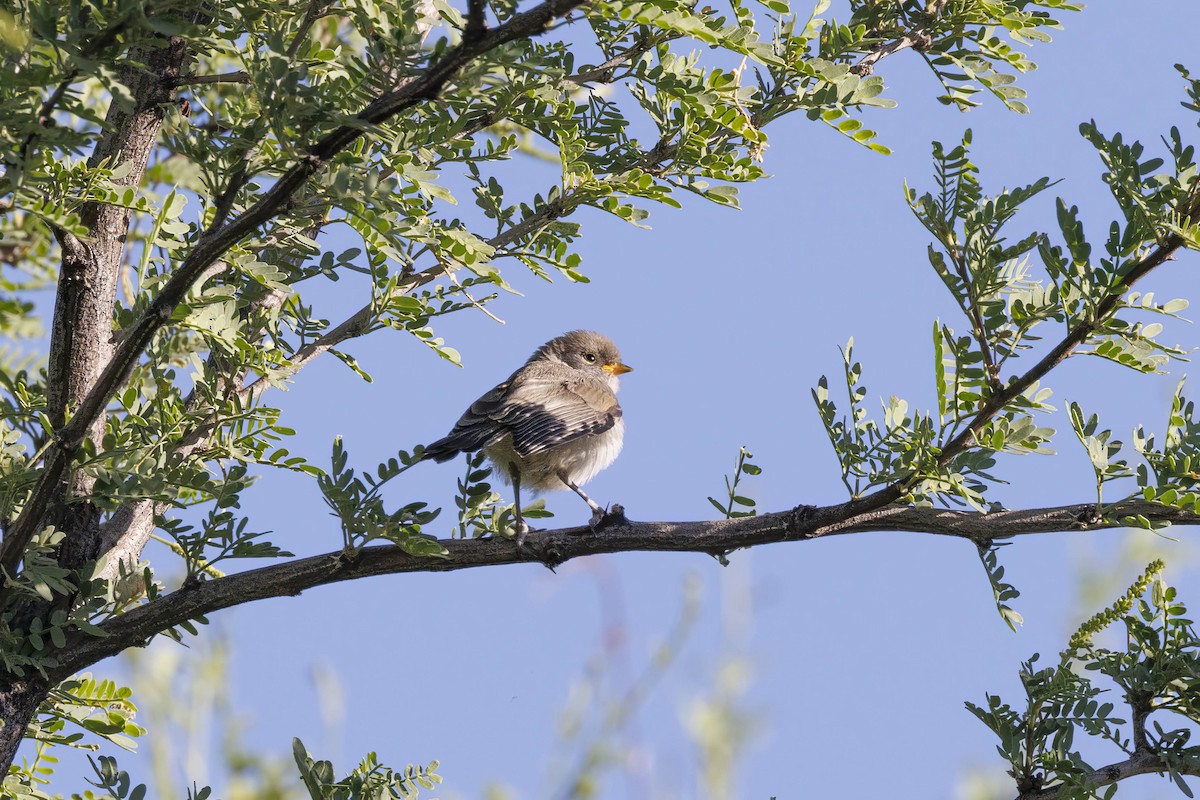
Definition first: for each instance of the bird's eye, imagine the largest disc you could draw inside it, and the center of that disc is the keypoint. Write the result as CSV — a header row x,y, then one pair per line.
x,y
589,357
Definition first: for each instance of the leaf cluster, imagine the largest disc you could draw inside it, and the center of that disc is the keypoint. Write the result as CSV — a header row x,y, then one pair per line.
x,y
984,406
1154,673
737,504
369,780
77,712
482,511
972,48
360,508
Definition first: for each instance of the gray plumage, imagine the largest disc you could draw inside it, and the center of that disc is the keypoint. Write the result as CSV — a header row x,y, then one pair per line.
x,y
553,424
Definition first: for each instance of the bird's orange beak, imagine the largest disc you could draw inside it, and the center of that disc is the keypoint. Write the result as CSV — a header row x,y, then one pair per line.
x,y
617,368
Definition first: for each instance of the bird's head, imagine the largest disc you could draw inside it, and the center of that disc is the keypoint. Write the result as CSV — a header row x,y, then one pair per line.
x,y
586,350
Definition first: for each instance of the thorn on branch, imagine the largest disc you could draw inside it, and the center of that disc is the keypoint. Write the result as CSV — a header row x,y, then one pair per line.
x,y
549,555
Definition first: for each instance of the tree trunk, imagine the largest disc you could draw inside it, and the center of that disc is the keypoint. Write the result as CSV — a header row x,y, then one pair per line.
x,y
82,332
19,701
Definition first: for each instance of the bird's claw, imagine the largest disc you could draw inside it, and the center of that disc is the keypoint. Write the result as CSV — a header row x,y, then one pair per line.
x,y
523,530
604,517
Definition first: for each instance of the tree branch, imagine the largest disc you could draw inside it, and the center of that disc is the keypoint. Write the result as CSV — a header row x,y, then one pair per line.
x,y
605,72
1141,763
212,246
615,535
315,10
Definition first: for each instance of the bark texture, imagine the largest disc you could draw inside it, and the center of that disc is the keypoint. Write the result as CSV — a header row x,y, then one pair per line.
x,y
82,333
81,342
19,701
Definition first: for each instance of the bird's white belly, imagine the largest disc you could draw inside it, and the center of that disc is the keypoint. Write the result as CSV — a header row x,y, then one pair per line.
x,y
579,460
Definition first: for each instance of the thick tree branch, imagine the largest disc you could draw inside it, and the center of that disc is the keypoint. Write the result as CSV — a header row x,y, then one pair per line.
x,y
617,535
1140,763
81,341
212,246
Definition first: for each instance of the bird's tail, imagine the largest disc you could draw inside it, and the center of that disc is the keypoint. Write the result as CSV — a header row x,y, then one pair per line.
x,y
462,439
442,450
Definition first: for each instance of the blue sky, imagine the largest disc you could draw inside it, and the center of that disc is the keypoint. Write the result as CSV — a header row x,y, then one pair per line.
x,y
861,649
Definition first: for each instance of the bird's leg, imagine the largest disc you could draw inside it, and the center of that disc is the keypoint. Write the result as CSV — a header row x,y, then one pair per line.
x,y
522,527
597,511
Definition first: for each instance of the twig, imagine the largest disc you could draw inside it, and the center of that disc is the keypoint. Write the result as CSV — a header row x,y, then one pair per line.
x,y
605,72
1074,338
998,400
45,117
454,278
918,38
225,77
316,8
971,309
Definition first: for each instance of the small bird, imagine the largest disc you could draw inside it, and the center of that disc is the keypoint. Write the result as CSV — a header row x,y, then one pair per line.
x,y
553,424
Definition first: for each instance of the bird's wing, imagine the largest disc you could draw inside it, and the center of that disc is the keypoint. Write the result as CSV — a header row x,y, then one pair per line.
x,y
477,427
545,410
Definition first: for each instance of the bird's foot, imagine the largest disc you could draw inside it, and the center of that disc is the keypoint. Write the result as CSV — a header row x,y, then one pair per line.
x,y
604,518
523,530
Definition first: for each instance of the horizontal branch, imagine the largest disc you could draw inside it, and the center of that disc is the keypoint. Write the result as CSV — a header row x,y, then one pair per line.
x,y
615,535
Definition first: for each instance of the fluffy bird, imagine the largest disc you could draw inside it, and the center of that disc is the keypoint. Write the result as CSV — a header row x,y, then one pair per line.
x,y
553,424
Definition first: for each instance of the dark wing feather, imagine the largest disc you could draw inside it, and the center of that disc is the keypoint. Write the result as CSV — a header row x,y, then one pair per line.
x,y
543,411
540,406
476,428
